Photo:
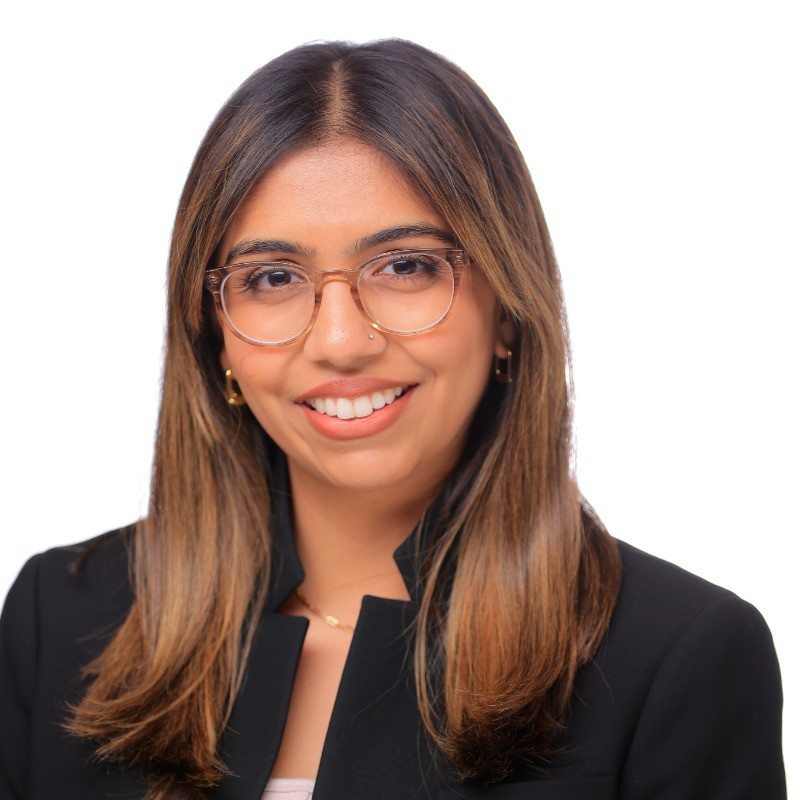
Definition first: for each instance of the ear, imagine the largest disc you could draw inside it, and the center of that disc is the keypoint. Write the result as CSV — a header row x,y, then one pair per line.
x,y
224,360
506,335
215,316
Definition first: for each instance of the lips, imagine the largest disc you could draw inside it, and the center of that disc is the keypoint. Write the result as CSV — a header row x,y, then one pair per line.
x,y
363,405
354,407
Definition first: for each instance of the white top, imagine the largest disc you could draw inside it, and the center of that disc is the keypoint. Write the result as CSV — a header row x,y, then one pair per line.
x,y
288,789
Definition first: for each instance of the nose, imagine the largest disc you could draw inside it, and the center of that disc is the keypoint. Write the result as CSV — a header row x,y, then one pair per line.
x,y
341,335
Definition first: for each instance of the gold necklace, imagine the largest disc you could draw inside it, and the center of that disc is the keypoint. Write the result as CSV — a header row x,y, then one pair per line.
x,y
327,618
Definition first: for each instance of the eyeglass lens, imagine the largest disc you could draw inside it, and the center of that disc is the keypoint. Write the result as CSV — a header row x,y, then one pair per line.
x,y
405,292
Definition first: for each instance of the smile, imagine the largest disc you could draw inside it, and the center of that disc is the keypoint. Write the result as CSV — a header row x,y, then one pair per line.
x,y
356,407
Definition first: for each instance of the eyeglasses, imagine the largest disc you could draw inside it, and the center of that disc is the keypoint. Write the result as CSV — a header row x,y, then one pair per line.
x,y
273,303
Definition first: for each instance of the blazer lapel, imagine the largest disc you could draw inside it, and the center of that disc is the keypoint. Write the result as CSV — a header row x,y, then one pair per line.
x,y
375,746
250,743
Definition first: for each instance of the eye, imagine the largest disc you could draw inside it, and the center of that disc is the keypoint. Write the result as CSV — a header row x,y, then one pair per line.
x,y
408,266
273,277
268,278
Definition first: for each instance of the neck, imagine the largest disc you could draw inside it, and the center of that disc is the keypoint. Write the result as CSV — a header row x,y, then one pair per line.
x,y
346,539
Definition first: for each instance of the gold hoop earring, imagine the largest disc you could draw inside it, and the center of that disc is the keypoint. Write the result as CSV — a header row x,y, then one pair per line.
x,y
503,372
233,396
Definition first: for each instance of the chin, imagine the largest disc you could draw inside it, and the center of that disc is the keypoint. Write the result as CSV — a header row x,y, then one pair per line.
x,y
365,471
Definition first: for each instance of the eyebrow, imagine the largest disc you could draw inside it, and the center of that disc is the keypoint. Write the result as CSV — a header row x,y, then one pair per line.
x,y
263,246
402,232
251,247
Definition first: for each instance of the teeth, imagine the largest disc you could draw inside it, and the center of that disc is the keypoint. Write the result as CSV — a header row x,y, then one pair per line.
x,y
358,407
362,406
344,408
377,400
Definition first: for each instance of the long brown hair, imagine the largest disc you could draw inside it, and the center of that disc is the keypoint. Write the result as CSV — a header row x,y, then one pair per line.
x,y
519,580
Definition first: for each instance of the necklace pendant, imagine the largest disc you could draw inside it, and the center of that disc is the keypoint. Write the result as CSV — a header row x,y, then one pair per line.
x,y
328,619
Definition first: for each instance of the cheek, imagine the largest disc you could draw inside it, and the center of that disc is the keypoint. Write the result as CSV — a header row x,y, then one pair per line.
x,y
260,376
254,368
258,371
461,353
471,329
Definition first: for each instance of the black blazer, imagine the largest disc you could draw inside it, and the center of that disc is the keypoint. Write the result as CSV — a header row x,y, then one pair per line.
x,y
682,702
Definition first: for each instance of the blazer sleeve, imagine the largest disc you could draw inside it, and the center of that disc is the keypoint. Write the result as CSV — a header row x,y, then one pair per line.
x,y
710,728
18,666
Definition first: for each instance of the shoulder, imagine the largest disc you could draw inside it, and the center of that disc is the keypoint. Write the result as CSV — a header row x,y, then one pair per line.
x,y
656,591
685,691
58,615
662,607
698,665
677,641
71,589
94,564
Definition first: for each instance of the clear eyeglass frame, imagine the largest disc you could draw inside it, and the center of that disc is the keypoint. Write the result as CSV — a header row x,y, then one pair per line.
x,y
215,278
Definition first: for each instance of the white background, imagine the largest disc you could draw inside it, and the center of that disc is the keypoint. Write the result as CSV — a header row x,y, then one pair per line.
x,y
663,140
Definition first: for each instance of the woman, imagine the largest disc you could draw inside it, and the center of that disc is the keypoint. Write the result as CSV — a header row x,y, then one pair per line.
x,y
366,419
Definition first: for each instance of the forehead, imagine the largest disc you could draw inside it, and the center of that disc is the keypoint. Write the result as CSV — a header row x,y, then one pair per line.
x,y
327,197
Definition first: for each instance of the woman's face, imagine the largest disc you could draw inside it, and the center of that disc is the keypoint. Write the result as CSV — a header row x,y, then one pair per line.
x,y
325,200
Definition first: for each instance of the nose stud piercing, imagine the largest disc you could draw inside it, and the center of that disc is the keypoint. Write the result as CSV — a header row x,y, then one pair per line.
x,y
371,336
